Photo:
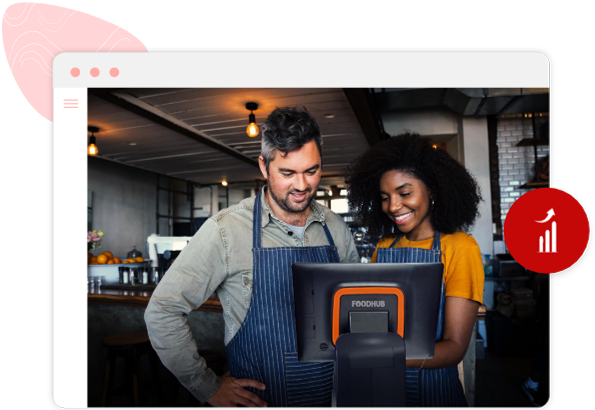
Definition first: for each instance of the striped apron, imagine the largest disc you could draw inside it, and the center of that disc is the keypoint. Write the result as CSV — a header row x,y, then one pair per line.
x,y
265,347
433,387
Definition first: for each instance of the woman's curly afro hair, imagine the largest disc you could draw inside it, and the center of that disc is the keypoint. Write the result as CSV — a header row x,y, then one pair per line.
x,y
454,190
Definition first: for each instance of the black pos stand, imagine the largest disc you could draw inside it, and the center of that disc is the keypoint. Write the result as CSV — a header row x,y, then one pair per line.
x,y
368,319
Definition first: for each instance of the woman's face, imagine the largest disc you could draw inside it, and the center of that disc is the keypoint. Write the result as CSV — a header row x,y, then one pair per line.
x,y
407,202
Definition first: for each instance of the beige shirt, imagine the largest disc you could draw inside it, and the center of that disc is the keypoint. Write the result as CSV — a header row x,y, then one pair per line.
x,y
219,258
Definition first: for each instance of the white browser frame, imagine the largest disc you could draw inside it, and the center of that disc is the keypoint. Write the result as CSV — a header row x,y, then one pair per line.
x,y
210,70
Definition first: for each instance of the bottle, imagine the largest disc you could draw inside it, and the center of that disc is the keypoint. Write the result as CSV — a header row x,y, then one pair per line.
x,y
487,265
145,277
125,276
364,258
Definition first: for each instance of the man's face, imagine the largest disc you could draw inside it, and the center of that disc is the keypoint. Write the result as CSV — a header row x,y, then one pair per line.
x,y
293,180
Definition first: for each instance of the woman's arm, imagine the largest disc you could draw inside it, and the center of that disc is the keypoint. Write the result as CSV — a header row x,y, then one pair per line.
x,y
459,317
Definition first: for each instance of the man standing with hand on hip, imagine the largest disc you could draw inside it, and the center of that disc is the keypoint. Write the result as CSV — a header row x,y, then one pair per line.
x,y
245,253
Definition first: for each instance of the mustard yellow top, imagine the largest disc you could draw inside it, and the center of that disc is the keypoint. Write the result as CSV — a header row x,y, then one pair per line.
x,y
463,268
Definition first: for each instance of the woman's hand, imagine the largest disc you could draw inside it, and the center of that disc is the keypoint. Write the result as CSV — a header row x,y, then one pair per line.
x,y
459,318
232,393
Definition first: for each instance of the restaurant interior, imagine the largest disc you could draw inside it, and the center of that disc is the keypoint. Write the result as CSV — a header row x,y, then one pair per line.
x,y
162,161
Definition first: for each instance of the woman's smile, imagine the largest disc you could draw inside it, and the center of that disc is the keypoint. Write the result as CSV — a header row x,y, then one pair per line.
x,y
401,219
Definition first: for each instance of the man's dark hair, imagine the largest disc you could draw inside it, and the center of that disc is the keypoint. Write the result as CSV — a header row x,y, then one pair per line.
x,y
454,190
288,129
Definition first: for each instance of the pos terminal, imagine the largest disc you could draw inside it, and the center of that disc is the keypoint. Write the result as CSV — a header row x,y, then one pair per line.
x,y
368,319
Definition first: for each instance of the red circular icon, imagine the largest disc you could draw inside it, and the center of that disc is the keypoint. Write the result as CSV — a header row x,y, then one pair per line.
x,y
94,72
114,72
75,72
546,230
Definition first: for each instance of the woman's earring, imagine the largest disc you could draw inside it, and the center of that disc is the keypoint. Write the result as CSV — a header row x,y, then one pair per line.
x,y
432,202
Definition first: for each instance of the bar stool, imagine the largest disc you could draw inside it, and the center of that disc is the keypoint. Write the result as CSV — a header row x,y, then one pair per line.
x,y
216,361
131,346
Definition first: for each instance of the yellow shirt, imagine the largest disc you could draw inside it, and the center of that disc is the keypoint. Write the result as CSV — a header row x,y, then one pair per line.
x,y
463,268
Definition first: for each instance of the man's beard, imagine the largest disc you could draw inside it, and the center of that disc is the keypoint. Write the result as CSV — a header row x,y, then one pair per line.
x,y
285,204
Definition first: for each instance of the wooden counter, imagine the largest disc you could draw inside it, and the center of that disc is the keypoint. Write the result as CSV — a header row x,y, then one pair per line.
x,y
140,298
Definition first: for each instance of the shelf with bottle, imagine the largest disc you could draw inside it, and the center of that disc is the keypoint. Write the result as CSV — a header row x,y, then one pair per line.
x,y
350,220
541,137
365,247
365,252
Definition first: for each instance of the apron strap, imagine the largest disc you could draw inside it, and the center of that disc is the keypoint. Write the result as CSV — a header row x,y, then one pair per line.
x,y
436,243
329,237
257,225
257,222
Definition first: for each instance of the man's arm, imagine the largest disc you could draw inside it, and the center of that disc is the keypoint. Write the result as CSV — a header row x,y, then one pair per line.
x,y
190,281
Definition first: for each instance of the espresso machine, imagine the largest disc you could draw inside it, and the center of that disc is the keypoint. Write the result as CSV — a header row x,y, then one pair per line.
x,y
163,251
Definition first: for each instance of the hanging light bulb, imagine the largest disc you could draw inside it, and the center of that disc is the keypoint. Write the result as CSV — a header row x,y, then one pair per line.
x,y
252,129
92,149
224,183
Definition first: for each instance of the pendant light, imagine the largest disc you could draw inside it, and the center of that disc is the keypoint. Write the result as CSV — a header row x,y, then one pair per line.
x,y
92,148
252,129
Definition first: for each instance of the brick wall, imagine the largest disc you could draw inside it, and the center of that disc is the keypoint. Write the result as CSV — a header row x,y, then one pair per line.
x,y
516,165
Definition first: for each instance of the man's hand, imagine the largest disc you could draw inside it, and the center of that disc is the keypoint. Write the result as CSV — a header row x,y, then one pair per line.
x,y
232,393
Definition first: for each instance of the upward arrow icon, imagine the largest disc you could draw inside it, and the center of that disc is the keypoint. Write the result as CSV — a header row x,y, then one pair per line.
x,y
550,214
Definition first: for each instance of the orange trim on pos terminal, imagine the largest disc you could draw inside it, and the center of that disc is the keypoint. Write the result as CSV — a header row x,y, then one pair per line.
x,y
369,291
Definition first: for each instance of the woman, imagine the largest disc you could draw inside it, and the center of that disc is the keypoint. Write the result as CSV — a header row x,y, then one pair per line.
x,y
412,195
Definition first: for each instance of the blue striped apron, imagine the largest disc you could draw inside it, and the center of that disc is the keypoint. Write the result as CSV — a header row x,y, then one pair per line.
x,y
433,387
265,347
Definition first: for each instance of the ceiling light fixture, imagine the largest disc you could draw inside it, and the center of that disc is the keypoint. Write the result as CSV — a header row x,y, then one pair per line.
x,y
329,116
224,183
132,144
92,148
252,129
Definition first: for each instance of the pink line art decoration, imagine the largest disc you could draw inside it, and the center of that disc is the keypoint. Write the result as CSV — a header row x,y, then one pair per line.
x,y
33,34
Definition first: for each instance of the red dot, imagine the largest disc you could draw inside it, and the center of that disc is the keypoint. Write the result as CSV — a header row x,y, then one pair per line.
x,y
114,72
94,72
75,72
546,230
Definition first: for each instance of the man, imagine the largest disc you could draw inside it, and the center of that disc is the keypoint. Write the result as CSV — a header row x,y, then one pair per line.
x,y
245,253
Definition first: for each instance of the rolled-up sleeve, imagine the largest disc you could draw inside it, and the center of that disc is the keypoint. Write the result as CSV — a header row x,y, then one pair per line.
x,y
190,281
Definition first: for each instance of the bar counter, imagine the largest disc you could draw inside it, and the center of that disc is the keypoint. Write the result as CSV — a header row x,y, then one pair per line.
x,y
113,311
140,298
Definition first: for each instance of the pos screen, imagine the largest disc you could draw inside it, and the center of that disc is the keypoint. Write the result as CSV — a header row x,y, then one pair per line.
x,y
337,298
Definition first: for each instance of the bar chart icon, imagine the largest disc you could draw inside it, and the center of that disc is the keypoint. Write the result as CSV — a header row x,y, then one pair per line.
x,y
551,240
550,237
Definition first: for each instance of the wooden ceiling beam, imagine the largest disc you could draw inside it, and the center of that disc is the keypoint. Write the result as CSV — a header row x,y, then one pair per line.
x,y
362,104
147,111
